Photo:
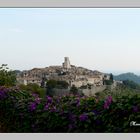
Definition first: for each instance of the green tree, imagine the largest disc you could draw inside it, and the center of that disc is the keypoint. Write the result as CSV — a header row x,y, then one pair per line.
x,y
7,77
57,84
34,88
74,89
110,81
62,84
51,84
111,77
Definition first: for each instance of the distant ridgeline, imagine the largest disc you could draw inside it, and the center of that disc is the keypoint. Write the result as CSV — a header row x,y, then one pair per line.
x,y
77,76
128,76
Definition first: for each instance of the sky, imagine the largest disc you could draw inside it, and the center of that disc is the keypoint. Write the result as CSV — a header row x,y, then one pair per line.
x,y
104,39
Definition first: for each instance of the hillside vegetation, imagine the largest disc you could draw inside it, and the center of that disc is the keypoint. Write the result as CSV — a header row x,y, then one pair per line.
x,y
110,111
128,76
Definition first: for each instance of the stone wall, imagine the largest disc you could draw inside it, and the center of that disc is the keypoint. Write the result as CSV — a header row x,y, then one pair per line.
x,y
60,92
87,92
93,90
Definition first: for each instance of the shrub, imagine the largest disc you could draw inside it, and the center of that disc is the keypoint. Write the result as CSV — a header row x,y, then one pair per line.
x,y
74,89
23,111
7,77
34,88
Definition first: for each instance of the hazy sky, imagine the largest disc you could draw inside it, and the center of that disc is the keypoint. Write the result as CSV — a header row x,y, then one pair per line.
x,y
104,39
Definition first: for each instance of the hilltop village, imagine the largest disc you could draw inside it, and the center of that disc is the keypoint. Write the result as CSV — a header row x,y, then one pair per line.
x,y
77,76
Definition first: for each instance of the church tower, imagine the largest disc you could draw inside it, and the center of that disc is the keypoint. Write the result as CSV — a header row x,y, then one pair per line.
x,y
66,63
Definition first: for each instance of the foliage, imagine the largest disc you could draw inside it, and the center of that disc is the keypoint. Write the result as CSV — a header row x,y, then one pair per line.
x,y
107,82
62,84
7,77
111,77
57,84
110,81
51,84
34,88
24,111
119,91
74,89
131,84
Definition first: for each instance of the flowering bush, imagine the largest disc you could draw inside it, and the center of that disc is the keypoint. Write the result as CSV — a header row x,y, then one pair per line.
x,y
107,102
23,111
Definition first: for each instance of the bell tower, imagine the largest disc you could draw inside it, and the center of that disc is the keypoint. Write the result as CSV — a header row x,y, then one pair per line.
x,y
66,63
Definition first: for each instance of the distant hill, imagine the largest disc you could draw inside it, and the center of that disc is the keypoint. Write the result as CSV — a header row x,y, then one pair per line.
x,y
128,76
17,71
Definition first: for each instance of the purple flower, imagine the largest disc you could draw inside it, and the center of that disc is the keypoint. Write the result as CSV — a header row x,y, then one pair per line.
x,y
49,99
78,104
35,95
2,94
109,99
53,109
107,102
46,107
32,106
83,117
106,105
135,109
78,101
38,100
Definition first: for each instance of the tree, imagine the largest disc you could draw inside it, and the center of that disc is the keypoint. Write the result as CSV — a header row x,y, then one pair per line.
x,y
62,84
74,89
111,77
7,77
57,84
110,81
33,88
51,84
